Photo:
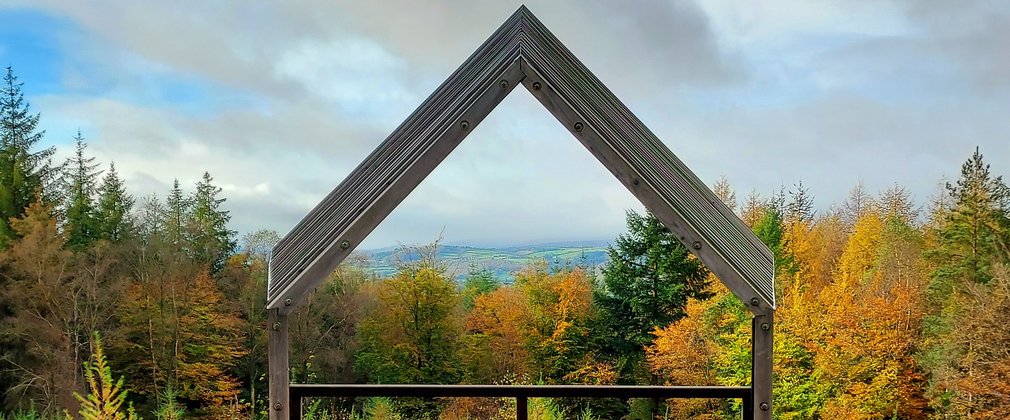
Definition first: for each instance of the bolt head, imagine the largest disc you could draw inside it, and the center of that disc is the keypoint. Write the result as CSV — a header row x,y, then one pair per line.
x,y
696,245
287,302
345,244
764,406
754,301
464,125
536,85
504,84
276,326
765,326
278,406
579,126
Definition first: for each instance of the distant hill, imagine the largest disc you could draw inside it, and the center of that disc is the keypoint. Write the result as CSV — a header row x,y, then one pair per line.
x,y
503,261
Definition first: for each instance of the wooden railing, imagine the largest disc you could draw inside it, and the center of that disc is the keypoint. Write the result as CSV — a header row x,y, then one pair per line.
x,y
520,392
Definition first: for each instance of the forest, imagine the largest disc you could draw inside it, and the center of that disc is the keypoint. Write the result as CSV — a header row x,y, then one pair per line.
x,y
122,307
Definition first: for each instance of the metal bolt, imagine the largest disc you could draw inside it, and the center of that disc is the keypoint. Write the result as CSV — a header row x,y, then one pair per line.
x,y
278,406
754,301
635,182
277,326
536,85
287,302
765,406
504,84
578,126
345,244
765,326
696,245
464,125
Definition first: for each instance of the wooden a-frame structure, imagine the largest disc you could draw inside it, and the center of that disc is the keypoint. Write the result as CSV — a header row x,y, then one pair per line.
x,y
522,51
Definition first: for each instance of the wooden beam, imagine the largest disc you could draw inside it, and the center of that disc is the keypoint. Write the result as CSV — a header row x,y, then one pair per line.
x,y
279,374
762,331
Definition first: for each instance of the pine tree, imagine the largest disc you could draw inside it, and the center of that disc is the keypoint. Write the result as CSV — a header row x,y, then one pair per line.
x,y
975,233
23,172
81,221
211,240
114,208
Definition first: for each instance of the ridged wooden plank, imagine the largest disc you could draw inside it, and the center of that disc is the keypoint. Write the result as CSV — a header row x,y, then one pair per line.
x,y
304,257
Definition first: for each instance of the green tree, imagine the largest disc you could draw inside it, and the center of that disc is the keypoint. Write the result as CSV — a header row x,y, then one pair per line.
x,y
211,241
114,209
975,233
647,282
23,172
173,220
477,282
81,224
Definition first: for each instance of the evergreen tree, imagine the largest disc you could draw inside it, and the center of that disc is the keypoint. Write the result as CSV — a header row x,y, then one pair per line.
x,y
975,233
81,222
23,172
114,208
174,218
647,283
477,282
801,205
769,228
211,240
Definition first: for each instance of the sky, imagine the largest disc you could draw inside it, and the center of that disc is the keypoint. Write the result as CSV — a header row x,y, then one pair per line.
x,y
279,101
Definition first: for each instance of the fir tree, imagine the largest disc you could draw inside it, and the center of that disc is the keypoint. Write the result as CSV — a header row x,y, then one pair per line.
x,y
211,240
81,222
648,281
801,205
114,208
23,172
176,208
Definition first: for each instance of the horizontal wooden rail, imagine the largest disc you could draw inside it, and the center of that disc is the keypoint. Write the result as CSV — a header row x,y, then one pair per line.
x,y
520,392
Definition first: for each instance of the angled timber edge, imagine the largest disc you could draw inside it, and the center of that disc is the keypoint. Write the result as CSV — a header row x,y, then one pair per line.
x,y
307,255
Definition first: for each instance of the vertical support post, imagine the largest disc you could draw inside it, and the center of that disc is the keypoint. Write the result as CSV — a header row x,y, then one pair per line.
x,y
522,408
279,373
762,329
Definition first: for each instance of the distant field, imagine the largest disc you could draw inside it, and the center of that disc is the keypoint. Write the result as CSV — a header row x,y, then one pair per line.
x,y
503,262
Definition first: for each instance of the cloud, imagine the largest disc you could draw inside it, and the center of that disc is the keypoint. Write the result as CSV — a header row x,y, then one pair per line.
x,y
279,101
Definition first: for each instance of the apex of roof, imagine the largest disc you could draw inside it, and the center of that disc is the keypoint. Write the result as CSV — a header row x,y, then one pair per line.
x,y
522,51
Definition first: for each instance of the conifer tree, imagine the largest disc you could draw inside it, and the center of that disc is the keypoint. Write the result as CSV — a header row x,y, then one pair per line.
x,y
176,208
23,172
210,238
114,207
647,284
975,233
81,178
801,205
